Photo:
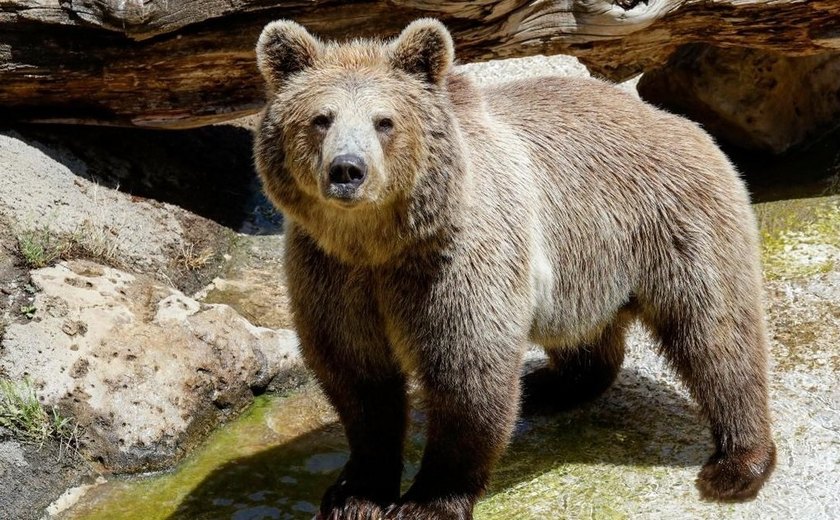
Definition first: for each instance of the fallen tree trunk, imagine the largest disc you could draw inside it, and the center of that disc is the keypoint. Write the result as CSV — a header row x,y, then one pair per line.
x,y
183,63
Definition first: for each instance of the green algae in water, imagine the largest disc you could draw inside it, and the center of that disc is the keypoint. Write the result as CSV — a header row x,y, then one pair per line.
x,y
276,460
263,465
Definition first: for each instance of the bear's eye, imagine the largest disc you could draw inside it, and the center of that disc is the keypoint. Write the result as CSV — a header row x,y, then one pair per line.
x,y
384,125
321,122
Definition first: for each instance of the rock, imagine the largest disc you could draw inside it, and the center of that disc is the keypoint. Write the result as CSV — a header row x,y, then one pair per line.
x,y
143,369
11,453
133,198
493,72
254,282
71,496
260,295
168,167
749,97
42,189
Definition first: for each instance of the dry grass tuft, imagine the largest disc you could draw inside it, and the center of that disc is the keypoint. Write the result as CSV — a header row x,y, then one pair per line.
x,y
191,260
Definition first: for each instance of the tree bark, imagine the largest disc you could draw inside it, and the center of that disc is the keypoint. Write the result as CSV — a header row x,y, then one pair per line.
x,y
183,63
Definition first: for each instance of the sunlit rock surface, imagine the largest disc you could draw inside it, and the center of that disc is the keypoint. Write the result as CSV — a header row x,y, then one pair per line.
x,y
144,370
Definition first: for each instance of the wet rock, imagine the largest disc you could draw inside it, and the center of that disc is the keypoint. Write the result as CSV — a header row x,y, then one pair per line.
x,y
71,496
145,370
751,98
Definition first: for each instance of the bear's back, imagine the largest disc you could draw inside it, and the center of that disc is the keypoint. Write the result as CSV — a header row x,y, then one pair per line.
x,y
594,145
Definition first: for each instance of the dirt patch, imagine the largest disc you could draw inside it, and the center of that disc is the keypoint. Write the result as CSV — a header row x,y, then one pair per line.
x,y
32,476
202,255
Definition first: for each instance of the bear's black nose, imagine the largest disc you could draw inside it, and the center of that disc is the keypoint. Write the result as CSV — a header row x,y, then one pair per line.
x,y
347,169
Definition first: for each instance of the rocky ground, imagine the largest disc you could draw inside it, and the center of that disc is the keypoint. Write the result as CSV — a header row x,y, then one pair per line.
x,y
141,293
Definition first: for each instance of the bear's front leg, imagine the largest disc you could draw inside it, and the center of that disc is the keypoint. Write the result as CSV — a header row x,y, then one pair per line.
x,y
343,343
472,401
370,398
374,416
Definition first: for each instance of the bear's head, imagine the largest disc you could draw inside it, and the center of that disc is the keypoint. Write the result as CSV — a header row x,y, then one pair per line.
x,y
358,144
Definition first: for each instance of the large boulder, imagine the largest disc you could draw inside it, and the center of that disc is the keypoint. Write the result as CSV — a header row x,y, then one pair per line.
x,y
145,370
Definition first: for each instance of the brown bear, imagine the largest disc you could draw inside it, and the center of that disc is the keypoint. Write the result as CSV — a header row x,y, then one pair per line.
x,y
435,228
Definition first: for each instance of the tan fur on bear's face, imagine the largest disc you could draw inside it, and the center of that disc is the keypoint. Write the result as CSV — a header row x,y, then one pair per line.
x,y
365,99
346,110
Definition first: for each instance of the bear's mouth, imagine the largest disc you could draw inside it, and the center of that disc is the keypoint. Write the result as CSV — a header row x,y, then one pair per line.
x,y
343,195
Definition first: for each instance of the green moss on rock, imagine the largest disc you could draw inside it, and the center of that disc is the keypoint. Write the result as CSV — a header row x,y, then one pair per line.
x,y
800,238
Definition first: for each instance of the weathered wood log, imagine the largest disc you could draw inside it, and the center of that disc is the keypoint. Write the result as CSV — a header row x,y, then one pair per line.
x,y
182,63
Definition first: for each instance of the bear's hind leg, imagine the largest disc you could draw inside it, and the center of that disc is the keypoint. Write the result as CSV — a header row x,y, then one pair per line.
x,y
576,375
719,351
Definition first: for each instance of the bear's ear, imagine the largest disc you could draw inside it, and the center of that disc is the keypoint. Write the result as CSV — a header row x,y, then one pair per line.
x,y
424,48
284,48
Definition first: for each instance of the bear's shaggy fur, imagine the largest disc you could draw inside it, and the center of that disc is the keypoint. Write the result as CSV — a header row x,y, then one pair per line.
x,y
435,228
